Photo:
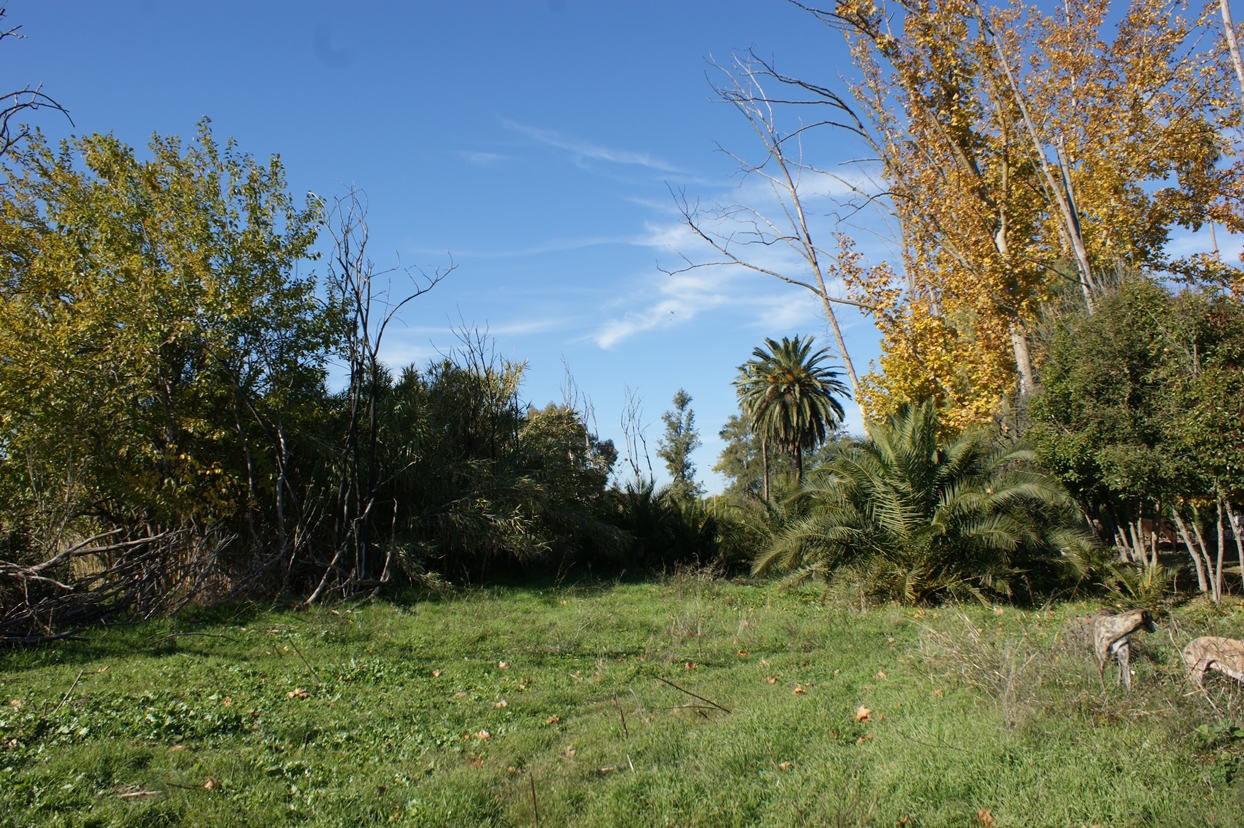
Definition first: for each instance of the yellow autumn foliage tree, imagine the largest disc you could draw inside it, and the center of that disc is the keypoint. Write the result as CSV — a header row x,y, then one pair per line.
x,y
1023,152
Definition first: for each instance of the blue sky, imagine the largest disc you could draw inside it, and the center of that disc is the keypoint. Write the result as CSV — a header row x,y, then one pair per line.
x,y
537,143
534,142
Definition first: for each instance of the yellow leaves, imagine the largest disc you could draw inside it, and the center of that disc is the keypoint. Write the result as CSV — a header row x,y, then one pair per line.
x,y
552,720
963,362
502,704
863,714
297,693
985,235
985,818
771,679
482,735
799,690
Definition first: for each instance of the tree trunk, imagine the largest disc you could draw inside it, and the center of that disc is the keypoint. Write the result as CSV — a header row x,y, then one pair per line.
x,y
1235,531
1221,542
1059,192
1233,45
1215,576
1201,581
842,343
764,455
1023,359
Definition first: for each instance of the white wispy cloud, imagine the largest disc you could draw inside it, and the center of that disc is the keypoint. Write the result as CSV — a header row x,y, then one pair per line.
x,y
586,149
680,298
480,159
676,298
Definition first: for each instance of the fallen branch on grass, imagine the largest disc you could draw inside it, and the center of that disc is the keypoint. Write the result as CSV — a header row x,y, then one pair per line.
x,y
692,695
65,697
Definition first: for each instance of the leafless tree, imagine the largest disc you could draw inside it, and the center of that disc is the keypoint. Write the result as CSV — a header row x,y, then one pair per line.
x,y
739,233
367,303
24,100
636,443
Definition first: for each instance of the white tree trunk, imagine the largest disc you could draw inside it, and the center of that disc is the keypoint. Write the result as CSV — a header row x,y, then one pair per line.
x,y
1201,580
1023,359
1233,45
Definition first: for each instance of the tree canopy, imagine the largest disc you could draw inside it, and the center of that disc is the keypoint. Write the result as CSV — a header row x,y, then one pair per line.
x,y
791,396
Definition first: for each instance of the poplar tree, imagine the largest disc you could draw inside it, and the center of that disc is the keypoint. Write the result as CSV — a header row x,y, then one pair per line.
x,y
680,439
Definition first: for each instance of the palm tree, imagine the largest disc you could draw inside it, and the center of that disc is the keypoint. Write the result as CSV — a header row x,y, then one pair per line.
x,y
789,396
912,516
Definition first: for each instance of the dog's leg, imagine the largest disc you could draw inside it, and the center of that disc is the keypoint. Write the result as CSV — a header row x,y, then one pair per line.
x,y
1124,654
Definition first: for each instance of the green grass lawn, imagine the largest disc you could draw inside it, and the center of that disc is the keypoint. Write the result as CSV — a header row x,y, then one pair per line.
x,y
478,708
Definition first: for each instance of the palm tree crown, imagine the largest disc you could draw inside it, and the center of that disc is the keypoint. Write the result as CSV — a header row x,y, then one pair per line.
x,y
791,397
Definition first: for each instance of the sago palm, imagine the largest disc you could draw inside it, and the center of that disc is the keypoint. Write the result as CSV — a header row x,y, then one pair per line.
x,y
791,397
912,516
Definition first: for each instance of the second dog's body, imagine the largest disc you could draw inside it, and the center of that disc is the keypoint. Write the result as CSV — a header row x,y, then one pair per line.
x,y
1112,635
1226,655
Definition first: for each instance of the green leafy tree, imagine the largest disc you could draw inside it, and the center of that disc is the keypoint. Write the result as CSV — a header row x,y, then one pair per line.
x,y
156,343
791,397
912,516
680,439
479,481
1141,416
740,461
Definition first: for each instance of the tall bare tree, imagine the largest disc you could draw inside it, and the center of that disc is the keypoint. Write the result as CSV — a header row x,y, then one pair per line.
x,y
367,307
740,233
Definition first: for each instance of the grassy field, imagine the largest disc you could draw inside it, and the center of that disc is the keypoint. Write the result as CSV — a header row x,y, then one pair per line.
x,y
483,707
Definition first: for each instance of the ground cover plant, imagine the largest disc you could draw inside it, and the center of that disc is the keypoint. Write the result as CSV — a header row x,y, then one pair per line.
x,y
480,707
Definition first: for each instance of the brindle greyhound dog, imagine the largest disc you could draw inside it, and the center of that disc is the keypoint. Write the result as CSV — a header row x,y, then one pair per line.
x,y
1112,635
1226,655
